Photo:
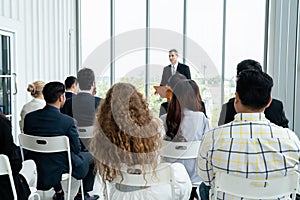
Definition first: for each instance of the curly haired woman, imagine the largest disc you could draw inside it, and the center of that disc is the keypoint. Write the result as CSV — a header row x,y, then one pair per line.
x,y
126,134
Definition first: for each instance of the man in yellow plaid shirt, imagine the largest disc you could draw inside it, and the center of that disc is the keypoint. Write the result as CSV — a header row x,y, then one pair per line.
x,y
250,146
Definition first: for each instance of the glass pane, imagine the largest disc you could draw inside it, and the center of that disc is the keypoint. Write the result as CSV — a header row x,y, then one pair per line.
x,y
245,30
204,51
5,96
130,42
95,44
5,72
5,66
167,14
95,25
166,23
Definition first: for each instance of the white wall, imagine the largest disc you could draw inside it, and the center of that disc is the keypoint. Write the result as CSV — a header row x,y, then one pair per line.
x,y
45,42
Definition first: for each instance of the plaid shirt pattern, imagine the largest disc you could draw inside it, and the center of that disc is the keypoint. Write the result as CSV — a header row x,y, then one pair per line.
x,y
250,146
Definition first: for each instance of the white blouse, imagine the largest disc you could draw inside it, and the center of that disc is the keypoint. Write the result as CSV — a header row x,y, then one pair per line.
x,y
34,104
193,126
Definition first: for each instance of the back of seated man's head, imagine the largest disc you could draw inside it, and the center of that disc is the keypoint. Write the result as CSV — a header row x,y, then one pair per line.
x,y
70,80
248,64
254,88
85,78
52,91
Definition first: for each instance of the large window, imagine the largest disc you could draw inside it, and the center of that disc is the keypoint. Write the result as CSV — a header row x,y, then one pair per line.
x,y
204,47
245,21
95,41
204,51
130,42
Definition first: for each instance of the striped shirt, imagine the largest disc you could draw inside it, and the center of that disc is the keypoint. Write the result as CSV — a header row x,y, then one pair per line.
x,y
250,146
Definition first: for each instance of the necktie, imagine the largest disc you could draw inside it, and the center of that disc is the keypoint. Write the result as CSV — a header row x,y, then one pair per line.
x,y
173,69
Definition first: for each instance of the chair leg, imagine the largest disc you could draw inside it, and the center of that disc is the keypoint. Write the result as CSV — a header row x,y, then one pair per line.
x,y
81,186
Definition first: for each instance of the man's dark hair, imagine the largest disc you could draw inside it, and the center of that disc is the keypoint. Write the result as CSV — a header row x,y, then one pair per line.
x,y
70,80
85,78
248,64
254,88
52,91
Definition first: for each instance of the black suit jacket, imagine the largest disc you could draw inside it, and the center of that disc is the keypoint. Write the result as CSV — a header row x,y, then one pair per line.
x,y
167,73
82,107
274,113
8,148
50,122
69,95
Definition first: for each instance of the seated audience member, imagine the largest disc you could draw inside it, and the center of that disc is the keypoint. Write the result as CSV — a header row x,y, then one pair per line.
x,y
274,113
24,174
126,133
185,122
71,87
173,80
250,146
38,102
50,122
84,105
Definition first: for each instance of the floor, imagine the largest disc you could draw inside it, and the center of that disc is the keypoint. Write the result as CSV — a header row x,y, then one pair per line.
x,y
74,188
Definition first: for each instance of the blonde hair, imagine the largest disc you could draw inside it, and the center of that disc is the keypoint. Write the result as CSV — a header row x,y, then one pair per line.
x,y
125,132
36,88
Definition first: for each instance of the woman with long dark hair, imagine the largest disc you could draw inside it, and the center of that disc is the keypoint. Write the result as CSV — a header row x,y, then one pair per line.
x,y
185,121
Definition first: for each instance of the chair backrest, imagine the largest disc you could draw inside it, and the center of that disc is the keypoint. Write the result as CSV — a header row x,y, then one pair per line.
x,y
180,150
5,169
163,175
256,189
85,132
51,144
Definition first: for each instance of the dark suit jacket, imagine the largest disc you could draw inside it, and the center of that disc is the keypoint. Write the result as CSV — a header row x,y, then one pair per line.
x,y
274,113
8,148
82,107
50,122
167,73
69,95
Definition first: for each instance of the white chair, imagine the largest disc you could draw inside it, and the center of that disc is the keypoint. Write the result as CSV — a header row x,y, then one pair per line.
x,y
256,189
164,175
49,145
85,132
181,150
5,169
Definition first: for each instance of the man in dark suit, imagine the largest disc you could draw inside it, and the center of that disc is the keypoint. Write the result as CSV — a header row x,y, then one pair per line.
x,y
71,89
50,122
84,105
71,86
174,67
274,113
